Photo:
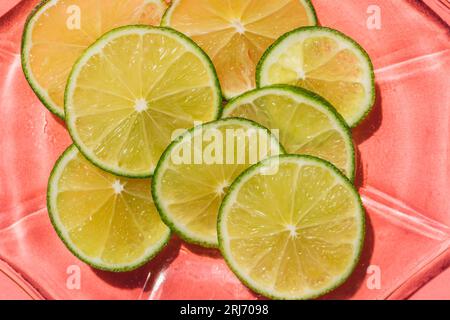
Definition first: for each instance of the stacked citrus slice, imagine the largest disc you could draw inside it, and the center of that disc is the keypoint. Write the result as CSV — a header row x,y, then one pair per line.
x,y
108,221
307,123
142,103
131,90
196,170
57,32
326,62
236,33
299,237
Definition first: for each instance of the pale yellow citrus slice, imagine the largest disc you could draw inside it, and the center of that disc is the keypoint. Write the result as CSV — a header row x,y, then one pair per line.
x,y
236,33
324,61
107,221
196,170
307,124
58,31
295,234
132,90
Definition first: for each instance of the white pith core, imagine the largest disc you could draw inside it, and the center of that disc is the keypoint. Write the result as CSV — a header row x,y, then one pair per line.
x,y
140,105
237,24
292,231
117,187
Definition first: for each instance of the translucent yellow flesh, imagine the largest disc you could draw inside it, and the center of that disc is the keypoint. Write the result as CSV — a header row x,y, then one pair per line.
x,y
193,192
174,85
215,26
320,65
302,128
108,227
56,41
321,214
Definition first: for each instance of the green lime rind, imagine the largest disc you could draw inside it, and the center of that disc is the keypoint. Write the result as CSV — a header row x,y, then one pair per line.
x,y
309,95
25,44
165,22
311,10
341,36
156,181
88,53
229,199
52,211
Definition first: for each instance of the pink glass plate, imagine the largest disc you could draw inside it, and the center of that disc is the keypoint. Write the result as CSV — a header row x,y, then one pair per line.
x,y
403,171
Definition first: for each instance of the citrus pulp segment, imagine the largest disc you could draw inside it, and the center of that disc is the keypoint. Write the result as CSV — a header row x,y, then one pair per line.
x,y
107,221
326,62
296,234
196,170
58,31
236,33
306,123
131,90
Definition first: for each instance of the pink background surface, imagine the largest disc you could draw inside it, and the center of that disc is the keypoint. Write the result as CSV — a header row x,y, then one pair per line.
x,y
403,174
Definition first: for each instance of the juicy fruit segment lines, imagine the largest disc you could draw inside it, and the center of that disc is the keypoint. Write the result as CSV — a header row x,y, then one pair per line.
x,y
107,221
58,31
326,62
298,238
131,90
188,193
236,33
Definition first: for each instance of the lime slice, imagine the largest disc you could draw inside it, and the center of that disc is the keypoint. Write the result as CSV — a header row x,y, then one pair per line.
x,y
235,34
296,234
306,123
326,62
58,31
131,90
108,222
195,171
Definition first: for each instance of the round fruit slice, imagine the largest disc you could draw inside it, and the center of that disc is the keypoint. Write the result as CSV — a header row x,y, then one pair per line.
x,y
306,123
131,90
296,234
58,31
196,170
108,222
236,33
326,62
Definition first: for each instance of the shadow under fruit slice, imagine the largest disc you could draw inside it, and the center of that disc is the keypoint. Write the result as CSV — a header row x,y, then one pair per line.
x,y
306,123
326,62
295,234
236,33
58,31
107,221
131,90
196,170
